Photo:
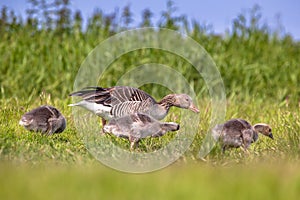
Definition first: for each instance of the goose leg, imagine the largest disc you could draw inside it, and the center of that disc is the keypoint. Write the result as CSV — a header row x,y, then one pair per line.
x,y
223,149
132,145
103,124
133,142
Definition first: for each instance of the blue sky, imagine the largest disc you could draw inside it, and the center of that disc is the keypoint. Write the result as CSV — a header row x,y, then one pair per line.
x,y
219,13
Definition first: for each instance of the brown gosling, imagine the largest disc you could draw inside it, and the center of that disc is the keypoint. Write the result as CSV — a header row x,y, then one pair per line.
x,y
239,133
136,126
44,119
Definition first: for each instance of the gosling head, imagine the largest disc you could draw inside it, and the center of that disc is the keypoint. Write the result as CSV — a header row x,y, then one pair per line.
x,y
264,129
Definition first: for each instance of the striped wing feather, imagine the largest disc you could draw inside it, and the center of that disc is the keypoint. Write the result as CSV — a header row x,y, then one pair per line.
x,y
131,107
116,96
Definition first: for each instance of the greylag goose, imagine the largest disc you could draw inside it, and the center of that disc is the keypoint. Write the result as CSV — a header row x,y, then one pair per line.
x,y
118,101
239,133
44,119
137,126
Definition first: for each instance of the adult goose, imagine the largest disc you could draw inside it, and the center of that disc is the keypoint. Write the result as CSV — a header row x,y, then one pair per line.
x,y
137,126
239,133
45,119
119,101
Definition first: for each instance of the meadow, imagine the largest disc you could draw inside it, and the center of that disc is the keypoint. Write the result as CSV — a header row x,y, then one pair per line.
x,y
260,71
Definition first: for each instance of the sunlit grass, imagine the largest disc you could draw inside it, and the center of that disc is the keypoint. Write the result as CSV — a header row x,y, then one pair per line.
x,y
19,145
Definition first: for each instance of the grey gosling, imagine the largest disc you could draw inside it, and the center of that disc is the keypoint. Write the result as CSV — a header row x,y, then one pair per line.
x,y
239,133
137,126
118,101
44,119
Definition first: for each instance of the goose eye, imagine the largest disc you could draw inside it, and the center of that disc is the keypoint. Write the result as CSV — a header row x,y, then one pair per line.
x,y
270,130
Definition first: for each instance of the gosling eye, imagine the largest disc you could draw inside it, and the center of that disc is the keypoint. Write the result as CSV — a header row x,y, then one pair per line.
x,y
270,130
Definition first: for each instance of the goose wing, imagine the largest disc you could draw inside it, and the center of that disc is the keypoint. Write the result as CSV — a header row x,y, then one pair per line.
x,y
114,95
236,126
40,115
247,136
131,107
96,95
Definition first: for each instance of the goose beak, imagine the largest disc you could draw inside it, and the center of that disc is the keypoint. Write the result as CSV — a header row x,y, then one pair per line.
x,y
271,136
193,108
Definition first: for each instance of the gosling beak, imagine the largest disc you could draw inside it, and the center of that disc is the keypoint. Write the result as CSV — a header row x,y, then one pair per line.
x,y
271,136
193,108
178,127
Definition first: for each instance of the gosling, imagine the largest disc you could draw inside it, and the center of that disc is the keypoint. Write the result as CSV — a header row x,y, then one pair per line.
x,y
136,126
45,119
237,133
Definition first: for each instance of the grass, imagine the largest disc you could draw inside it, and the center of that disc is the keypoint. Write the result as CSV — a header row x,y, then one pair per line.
x,y
176,182
34,166
17,143
261,75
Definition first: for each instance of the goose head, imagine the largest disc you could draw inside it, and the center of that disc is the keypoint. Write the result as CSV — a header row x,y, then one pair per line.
x,y
264,129
182,101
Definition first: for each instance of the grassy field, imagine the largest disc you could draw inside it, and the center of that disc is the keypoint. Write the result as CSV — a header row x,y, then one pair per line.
x,y
34,166
260,70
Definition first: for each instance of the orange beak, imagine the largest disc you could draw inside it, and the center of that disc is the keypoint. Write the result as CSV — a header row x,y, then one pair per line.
x,y
194,108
